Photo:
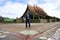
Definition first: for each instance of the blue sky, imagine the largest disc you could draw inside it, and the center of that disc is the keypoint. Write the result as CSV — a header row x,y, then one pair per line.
x,y
16,8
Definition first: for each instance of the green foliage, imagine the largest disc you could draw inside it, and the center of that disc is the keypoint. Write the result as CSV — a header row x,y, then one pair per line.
x,y
1,19
35,20
8,20
17,20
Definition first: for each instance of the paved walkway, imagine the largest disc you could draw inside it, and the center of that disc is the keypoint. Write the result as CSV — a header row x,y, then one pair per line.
x,y
44,29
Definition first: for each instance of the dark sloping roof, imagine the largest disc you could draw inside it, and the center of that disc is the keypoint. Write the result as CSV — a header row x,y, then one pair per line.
x,y
41,11
36,10
31,8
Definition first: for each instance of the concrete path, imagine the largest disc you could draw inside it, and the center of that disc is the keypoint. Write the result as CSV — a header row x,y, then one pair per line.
x,y
43,29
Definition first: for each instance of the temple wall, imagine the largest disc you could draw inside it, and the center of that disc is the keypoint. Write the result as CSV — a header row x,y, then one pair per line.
x,y
43,20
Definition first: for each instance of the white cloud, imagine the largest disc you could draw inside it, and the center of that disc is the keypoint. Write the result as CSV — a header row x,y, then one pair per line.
x,y
33,2
1,1
16,9
13,10
50,7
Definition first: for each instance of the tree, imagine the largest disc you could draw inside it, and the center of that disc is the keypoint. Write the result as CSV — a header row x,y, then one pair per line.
x,y
1,19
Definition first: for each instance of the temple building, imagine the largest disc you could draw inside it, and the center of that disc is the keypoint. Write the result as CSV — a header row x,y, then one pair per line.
x,y
38,15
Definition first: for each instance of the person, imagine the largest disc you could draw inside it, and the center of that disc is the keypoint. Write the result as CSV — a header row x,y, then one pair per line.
x,y
27,16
